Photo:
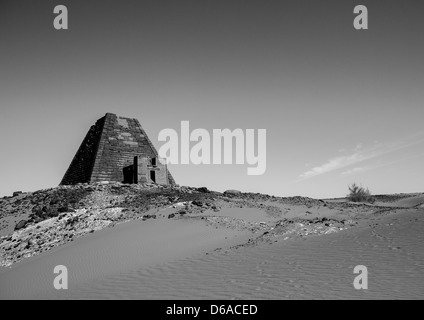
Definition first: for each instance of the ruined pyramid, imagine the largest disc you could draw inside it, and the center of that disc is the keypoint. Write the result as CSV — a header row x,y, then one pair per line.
x,y
117,149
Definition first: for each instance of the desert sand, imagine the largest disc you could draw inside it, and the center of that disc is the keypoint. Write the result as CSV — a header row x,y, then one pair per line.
x,y
247,247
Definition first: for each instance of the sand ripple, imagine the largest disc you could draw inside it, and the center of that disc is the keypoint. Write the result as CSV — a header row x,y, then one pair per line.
x,y
319,267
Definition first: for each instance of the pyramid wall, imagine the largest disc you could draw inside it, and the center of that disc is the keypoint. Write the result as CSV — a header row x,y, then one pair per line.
x,y
109,146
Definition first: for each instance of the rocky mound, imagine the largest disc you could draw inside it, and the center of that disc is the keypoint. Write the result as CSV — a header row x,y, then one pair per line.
x,y
31,223
36,222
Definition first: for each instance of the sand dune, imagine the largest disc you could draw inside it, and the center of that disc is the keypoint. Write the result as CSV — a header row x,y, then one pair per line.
x,y
250,247
410,202
113,251
314,268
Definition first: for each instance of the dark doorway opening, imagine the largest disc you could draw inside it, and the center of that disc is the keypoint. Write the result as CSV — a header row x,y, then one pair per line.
x,y
129,174
152,176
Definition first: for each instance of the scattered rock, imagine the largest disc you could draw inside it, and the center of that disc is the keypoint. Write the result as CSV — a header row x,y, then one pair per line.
x,y
232,192
37,210
197,203
21,224
149,216
63,209
172,199
52,212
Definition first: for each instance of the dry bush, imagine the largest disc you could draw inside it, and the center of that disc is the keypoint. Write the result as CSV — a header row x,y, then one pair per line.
x,y
359,194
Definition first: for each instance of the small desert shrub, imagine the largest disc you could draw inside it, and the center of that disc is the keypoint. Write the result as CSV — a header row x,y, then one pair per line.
x,y
359,194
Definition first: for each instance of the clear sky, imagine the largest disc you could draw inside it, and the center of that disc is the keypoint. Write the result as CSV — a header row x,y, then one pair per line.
x,y
339,105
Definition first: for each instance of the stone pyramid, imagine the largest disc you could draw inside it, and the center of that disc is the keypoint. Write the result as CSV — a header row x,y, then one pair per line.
x,y
112,146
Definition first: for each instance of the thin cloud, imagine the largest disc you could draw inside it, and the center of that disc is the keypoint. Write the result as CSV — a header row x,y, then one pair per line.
x,y
380,164
354,170
361,154
334,164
